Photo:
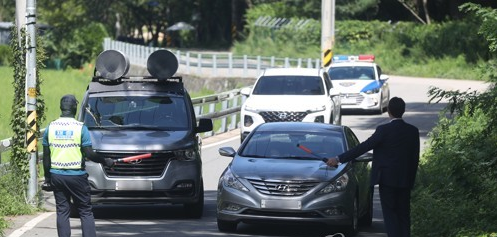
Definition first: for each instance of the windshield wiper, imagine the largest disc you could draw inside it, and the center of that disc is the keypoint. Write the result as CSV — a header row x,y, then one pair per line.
x,y
87,109
142,127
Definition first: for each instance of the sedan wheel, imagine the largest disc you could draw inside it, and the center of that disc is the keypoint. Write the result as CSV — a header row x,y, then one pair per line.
x,y
226,226
351,230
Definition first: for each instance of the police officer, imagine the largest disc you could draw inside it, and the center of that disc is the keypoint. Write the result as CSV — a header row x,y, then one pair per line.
x,y
64,142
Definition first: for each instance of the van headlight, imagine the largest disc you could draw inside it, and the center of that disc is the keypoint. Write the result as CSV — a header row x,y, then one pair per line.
x,y
229,180
188,154
337,185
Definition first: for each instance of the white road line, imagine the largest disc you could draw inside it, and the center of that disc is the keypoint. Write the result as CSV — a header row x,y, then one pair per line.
x,y
30,224
221,142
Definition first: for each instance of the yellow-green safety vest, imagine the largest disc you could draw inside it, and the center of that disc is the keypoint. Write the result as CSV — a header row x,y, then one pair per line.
x,y
64,138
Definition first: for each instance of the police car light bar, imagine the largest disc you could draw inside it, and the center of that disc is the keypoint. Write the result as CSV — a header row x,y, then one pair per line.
x,y
353,58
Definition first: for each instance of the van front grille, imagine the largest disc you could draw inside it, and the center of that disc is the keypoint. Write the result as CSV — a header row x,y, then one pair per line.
x,y
148,167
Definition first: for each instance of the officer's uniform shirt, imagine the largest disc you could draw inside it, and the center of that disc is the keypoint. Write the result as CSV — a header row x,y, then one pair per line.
x,y
85,141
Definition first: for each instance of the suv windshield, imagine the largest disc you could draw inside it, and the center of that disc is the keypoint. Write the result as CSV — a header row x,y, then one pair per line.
x,y
289,85
346,73
140,112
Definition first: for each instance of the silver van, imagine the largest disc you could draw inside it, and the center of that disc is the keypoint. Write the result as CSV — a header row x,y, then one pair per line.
x,y
151,117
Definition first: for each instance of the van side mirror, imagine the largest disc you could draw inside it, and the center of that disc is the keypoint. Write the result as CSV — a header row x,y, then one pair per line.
x,y
204,125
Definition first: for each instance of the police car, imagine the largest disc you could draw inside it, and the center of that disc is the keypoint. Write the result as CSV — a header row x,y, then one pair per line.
x,y
360,82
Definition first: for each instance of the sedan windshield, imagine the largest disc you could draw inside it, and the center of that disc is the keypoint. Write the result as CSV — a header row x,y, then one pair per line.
x,y
291,144
289,85
356,73
137,112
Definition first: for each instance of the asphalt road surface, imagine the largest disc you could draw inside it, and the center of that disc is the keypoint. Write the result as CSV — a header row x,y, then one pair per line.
x,y
169,220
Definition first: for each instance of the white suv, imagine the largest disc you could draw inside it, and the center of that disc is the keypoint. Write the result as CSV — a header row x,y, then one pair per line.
x,y
291,95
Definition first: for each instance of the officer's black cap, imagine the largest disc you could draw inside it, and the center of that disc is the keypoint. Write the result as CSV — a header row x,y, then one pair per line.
x,y
68,103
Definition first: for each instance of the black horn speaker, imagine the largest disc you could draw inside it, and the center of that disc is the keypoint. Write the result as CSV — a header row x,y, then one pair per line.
x,y
112,64
162,64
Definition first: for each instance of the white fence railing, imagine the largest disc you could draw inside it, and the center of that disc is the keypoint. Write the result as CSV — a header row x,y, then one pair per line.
x,y
212,64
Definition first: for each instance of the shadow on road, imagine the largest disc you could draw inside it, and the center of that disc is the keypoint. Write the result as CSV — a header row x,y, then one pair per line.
x,y
170,220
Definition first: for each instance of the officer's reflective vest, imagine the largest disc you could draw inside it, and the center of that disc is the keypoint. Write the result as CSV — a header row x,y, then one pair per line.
x,y
64,138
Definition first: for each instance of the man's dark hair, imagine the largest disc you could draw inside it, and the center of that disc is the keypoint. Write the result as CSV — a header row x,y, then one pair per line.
x,y
396,107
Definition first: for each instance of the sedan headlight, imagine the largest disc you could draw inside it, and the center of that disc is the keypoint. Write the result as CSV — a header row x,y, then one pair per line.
x,y
229,180
337,185
373,91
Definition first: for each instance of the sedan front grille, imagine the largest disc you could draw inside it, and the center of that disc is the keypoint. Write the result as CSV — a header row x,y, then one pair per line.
x,y
283,116
283,188
149,167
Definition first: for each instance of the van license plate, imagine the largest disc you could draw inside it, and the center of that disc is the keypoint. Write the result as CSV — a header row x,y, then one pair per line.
x,y
281,204
131,185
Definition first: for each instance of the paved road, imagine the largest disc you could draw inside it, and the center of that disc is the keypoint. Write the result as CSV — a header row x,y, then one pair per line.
x,y
169,220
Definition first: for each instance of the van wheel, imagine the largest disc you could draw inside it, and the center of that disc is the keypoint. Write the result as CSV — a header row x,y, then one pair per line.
x,y
196,209
226,226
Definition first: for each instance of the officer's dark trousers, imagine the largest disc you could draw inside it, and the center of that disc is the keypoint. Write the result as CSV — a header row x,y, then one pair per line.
x,y
77,188
395,205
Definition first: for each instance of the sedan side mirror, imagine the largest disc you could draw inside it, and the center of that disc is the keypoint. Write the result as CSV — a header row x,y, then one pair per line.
x,y
227,151
384,77
365,158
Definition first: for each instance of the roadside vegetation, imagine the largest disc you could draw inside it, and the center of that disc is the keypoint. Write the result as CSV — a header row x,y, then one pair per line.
x,y
456,192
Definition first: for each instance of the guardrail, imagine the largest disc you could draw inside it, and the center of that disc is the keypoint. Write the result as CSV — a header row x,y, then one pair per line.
x,y
212,64
222,108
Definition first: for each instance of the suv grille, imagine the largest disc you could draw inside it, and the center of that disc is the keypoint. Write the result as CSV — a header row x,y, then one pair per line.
x,y
150,167
283,188
283,116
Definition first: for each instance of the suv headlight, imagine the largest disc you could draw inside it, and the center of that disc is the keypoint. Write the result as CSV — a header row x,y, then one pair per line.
x,y
229,180
373,91
317,109
251,109
337,185
188,154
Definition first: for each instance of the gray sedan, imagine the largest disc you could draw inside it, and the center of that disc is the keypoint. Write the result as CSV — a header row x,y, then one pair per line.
x,y
278,175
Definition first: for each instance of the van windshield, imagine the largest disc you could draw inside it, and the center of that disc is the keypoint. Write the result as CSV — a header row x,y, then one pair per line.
x,y
140,112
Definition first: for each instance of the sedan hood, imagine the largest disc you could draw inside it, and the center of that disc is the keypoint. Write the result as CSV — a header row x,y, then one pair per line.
x,y
286,102
283,169
104,140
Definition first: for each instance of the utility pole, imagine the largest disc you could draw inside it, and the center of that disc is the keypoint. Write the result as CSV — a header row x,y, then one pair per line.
x,y
31,98
327,31
20,18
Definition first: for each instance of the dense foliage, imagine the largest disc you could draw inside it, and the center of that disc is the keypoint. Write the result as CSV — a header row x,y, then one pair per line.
x,y
456,192
445,50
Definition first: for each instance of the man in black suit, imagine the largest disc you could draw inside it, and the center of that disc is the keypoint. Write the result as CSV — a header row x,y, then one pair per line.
x,y
395,162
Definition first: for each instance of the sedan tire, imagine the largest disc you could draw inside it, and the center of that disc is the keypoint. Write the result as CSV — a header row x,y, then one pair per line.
x,y
226,226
